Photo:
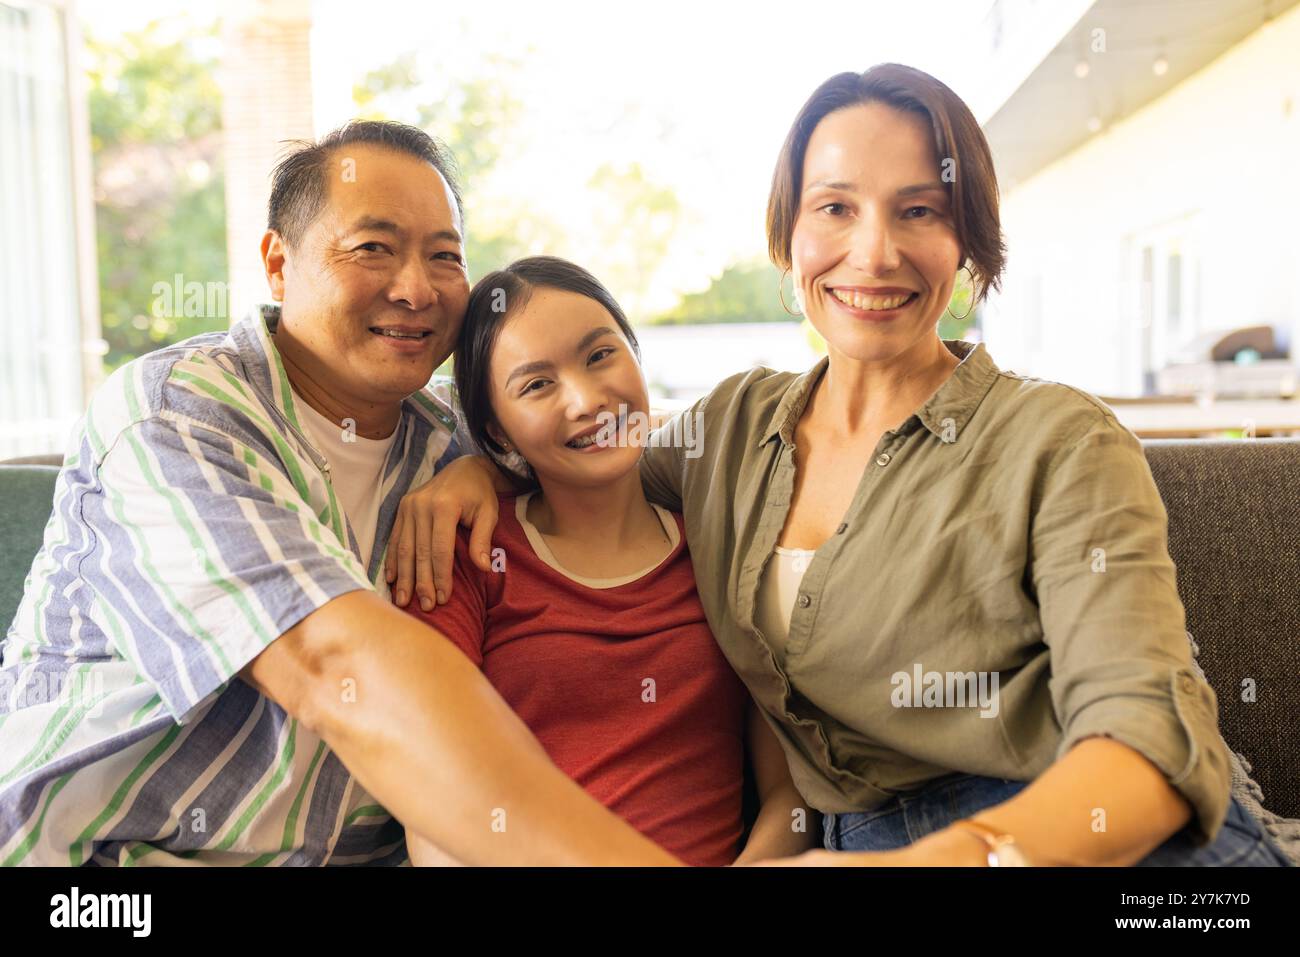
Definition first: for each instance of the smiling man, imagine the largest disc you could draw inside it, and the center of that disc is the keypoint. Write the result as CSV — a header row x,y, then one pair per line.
x,y
205,667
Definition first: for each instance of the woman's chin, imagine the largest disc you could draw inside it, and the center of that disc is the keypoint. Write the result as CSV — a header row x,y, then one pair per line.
x,y
873,344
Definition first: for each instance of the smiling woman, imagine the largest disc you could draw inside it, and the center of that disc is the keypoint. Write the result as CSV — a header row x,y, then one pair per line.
x,y
503,294
966,186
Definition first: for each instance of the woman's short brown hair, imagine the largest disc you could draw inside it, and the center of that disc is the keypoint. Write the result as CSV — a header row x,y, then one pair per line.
x,y
972,187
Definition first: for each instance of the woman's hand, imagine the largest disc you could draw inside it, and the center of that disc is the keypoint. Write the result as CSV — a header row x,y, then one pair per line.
x,y
423,545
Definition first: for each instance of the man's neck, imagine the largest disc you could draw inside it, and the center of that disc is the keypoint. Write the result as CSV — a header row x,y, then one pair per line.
x,y
369,420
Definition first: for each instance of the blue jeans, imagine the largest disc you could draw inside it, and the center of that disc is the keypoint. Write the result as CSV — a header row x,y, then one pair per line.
x,y
1241,842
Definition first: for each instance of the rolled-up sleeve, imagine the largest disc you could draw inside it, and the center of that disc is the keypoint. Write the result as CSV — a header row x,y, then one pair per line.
x,y
1121,662
205,554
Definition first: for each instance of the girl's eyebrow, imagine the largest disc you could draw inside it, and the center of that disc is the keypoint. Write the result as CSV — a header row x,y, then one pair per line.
x,y
541,365
592,336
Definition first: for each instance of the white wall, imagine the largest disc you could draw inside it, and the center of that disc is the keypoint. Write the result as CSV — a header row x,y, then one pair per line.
x,y
1211,170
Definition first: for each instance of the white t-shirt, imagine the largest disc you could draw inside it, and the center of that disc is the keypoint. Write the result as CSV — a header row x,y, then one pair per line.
x,y
356,470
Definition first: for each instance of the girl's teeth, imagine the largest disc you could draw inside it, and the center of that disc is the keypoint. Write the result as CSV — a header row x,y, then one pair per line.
x,y
874,303
586,440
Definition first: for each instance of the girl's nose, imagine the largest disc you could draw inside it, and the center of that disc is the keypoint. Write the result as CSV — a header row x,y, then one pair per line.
x,y
587,396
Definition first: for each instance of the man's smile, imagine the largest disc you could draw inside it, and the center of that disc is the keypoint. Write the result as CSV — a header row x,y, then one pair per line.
x,y
401,332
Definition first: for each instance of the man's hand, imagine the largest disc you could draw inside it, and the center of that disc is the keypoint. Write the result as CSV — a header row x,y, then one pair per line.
x,y
422,548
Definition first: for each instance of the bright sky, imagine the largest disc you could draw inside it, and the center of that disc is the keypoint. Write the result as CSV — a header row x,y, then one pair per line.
x,y
700,94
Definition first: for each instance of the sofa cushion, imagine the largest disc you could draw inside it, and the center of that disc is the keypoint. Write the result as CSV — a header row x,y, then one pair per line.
x,y
26,498
1234,524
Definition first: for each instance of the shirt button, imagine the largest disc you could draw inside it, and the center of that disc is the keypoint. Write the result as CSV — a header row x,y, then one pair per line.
x,y
883,459
843,527
804,601
1187,683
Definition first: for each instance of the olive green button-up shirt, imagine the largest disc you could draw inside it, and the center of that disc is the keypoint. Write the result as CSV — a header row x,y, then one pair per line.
x,y
999,589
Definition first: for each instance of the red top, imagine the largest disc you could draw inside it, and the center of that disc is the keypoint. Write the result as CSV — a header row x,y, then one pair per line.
x,y
624,686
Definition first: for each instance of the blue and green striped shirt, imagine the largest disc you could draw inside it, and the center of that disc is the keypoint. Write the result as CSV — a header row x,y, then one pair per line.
x,y
193,524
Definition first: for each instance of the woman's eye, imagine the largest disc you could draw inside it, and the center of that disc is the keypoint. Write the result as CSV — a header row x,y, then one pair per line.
x,y
835,209
923,209
530,386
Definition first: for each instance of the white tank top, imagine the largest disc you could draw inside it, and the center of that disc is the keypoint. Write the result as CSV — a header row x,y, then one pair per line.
x,y
777,591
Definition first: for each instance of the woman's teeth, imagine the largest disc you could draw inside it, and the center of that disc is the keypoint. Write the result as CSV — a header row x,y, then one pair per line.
x,y
874,303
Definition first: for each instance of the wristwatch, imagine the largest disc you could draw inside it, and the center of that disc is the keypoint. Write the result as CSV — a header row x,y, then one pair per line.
x,y
1002,848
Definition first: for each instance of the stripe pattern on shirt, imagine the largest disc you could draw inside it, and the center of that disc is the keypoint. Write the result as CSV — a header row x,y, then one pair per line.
x,y
193,523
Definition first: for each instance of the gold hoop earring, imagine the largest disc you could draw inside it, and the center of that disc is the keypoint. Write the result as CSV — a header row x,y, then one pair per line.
x,y
972,297
780,291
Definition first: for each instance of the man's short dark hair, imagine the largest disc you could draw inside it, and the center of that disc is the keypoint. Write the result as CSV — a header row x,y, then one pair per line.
x,y
298,184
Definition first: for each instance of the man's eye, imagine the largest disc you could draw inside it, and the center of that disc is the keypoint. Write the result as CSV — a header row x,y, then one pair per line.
x,y
372,247
601,353
449,256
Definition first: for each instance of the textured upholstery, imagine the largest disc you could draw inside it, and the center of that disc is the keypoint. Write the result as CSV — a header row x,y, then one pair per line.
x,y
1234,534
26,495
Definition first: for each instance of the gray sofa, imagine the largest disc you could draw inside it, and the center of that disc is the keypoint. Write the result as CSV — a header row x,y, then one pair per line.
x,y
1234,533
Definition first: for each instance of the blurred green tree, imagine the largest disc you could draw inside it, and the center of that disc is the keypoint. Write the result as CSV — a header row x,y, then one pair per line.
x,y
745,292
155,119
636,224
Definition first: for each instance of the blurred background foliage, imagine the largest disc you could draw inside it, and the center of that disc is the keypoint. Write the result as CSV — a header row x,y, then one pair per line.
x,y
155,119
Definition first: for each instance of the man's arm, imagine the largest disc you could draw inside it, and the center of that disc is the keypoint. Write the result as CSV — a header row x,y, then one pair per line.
x,y
425,733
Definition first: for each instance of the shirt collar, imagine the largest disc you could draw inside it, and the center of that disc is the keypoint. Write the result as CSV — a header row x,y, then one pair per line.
x,y
254,338
945,413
